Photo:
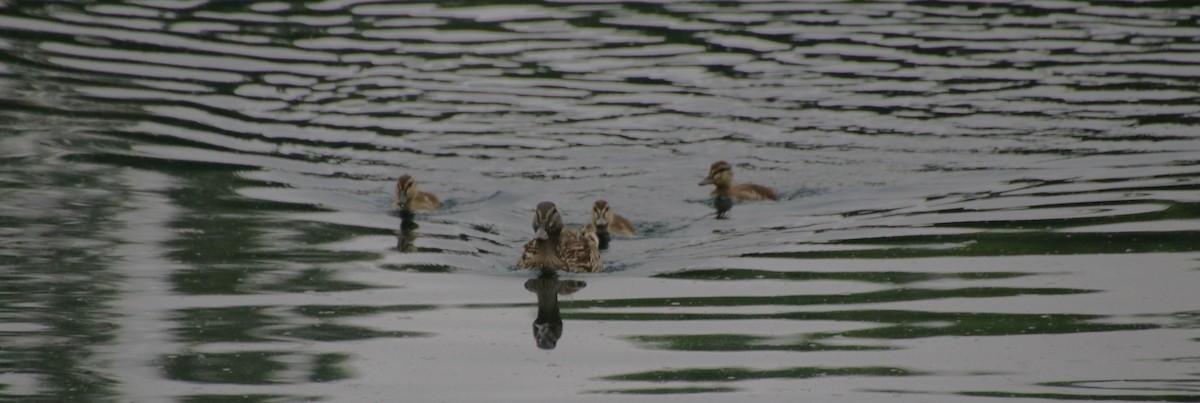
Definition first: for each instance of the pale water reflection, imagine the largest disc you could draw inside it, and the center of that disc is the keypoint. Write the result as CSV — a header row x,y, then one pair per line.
x,y
979,201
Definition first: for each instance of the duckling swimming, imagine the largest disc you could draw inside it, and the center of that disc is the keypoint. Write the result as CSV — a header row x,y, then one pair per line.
x,y
409,198
556,248
721,175
605,222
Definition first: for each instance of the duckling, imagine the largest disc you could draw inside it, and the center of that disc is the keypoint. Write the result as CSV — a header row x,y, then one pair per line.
x,y
409,198
721,175
605,222
555,248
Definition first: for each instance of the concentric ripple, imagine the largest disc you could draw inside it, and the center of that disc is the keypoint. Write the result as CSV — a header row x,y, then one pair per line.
x,y
980,200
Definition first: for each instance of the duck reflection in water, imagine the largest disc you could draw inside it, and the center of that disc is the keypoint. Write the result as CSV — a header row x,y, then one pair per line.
x,y
548,326
407,234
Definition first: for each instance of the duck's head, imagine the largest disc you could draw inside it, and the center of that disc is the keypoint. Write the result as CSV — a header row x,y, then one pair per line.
x,y
601,214
720,174
406,191
546,221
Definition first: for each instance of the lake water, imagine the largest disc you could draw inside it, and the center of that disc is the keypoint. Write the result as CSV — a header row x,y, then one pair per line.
x,y
981,200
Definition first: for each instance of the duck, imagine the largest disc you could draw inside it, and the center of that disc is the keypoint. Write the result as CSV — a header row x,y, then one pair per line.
x,y
554,248
720,174
607,221
408,198
604,222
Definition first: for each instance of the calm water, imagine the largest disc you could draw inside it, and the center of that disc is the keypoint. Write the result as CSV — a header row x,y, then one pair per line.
x,y
981,200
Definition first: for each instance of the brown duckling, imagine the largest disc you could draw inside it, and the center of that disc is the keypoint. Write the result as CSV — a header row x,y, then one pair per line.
x,y
607,221
555,248
604,223
721,175
409,198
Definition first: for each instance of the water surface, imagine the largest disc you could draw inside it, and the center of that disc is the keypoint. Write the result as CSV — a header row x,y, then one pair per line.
x,y
980,200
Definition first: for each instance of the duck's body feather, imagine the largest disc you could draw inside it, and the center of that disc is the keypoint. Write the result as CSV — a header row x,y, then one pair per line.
x,y
423,201
574,252
621,226
748,191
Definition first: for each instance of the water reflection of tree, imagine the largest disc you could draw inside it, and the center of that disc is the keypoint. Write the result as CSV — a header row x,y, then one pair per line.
x,y
548,326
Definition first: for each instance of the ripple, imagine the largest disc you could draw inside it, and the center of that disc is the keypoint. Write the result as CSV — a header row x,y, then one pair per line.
x,y
957,178
165,41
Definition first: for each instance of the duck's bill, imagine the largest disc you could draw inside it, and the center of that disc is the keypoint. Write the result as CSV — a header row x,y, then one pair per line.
x,y
706,181
541,234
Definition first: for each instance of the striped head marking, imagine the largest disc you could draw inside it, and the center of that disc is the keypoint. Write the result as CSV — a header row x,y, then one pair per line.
x,y
601,214
546,220
720,173
406,190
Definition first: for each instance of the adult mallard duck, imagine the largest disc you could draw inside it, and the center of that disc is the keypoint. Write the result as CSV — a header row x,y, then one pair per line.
x,y
555,248
604,222
721,175
409,198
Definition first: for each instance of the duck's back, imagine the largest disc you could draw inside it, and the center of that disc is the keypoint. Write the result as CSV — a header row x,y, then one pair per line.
x,y
427,201
621,226
581,252
578,252
752,191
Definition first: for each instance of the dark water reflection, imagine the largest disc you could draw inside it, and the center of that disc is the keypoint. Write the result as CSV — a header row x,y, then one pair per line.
x,y
980,201
406,235
548,326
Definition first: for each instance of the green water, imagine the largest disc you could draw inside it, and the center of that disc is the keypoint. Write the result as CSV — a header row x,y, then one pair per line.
x,y
980,201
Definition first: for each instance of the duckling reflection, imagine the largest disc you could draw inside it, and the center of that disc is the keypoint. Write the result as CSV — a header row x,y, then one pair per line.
x,y
720,175
548,326
406,235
